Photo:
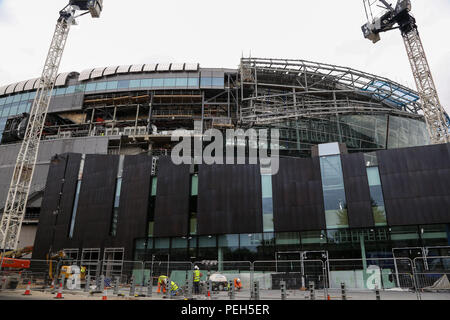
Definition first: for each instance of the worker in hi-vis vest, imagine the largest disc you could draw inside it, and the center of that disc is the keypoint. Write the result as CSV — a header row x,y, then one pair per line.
x,y
174,289
162,283
197,276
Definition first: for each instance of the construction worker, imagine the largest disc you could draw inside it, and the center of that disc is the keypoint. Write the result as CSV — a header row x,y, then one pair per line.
x,y
237,284
174,289
162,280
197,276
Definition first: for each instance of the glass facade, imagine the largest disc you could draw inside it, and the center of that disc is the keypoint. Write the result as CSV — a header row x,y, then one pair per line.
x,y
77,197
335,202
340,244
364,133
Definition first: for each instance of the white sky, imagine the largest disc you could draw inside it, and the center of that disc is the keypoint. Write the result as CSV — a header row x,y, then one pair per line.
x,y
216,33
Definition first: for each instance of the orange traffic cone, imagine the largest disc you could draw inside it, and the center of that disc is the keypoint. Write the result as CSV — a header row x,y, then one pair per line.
x,y
59,294
209,295
328,298
105,295
28,291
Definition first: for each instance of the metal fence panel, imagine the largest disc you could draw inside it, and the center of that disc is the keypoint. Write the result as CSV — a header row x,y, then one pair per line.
x,y
371,273
296,274
221,273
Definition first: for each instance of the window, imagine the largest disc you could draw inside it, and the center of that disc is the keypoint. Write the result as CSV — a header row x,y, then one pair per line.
x,y
162,243
333,192
193,82
250,241
5,112
81,88
169,82
313,237
193,205
179,243
60,91
91,87
101,86
151,207
154,185
194,185
207,242
218,82
22,108
146,83
287,238
116,207
123,84
17,98
70,90
77,197
9,99
25,97
158,83
13,110
376,195
182,82
113,231
2,101
135,83
112,85
206,82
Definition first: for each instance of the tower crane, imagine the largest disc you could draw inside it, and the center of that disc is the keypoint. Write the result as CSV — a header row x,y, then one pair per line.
x,y
399,17
19,189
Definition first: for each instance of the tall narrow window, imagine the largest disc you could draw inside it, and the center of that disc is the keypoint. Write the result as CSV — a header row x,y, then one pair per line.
x,y
267,203
376,196
333,192
77,197
193,205
115,216
151,207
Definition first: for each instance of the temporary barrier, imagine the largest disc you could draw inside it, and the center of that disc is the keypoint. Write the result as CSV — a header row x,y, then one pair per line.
x,y
221,272
295,274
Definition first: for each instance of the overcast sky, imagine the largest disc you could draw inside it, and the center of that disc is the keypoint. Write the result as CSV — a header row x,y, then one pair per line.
x,y
216,33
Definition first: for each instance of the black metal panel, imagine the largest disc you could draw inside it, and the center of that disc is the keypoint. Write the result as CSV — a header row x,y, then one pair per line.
x,y
134,198
172,199
230,199
298,196
95,206
416,184
357,191
53,224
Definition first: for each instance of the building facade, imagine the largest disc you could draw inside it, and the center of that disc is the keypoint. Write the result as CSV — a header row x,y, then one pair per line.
x,y
349,205
134,109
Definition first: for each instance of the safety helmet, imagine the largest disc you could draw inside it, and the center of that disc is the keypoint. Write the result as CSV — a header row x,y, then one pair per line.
x,y
165,281
238,280
196,267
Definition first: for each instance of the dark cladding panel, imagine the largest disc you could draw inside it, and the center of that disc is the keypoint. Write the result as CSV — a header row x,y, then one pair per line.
x,y
357,191
53,228
298,196
172,199
416,184
229,200
134,198
95,206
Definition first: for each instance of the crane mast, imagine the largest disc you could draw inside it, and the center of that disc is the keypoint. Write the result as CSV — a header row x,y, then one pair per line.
x,y
19,189
400,18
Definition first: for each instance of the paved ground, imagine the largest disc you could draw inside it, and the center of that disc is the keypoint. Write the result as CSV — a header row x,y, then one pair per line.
x,y
264,295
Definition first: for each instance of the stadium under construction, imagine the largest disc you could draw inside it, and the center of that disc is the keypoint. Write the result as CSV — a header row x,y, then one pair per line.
x,y
358,174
